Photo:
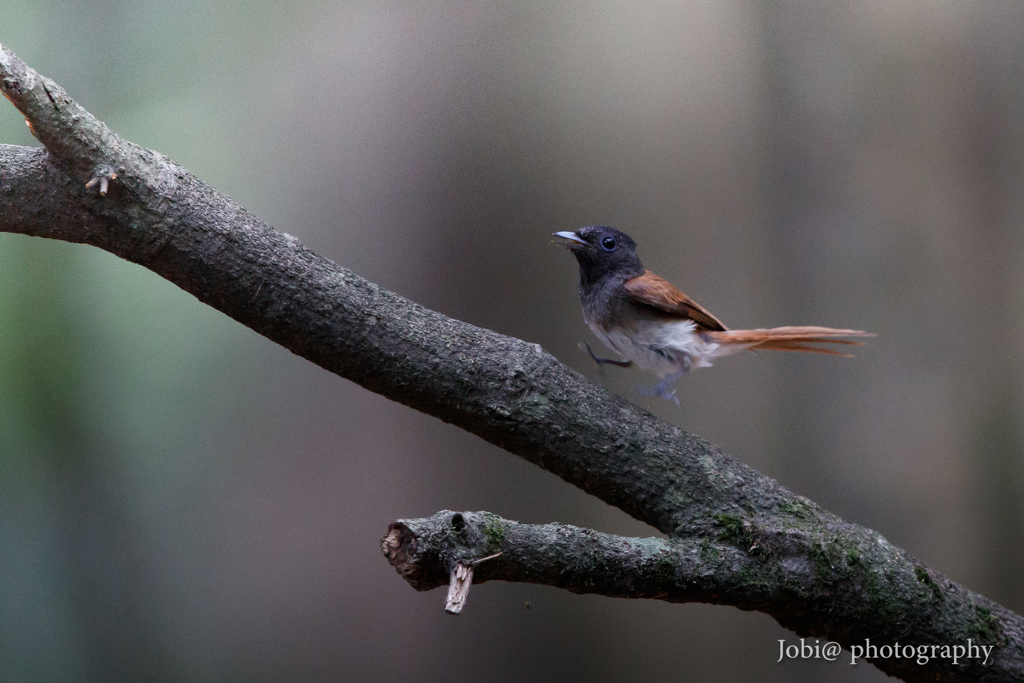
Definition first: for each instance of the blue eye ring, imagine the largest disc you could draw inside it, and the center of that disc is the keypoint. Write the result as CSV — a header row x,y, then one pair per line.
x,y
608,244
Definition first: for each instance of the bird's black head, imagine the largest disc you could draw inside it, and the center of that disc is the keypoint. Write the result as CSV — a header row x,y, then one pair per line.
x,y
602,251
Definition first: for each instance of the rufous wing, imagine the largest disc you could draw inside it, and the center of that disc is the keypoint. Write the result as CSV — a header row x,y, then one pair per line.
x,y
657,292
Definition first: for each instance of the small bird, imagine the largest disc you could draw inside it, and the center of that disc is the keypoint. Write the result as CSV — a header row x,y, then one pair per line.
x,y
647,321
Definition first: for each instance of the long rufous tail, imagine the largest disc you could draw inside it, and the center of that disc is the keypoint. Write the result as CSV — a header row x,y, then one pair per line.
x,y
788,339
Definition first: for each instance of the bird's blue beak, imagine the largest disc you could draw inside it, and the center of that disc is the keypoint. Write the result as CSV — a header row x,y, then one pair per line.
x,y
569,240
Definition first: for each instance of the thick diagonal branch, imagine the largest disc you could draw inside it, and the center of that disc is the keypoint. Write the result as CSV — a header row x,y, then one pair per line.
x,y
507,391
510,392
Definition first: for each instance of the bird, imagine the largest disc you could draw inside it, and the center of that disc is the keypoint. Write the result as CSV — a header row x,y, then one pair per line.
x,y
647,321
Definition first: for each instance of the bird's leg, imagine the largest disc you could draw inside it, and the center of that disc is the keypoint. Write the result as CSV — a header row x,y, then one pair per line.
x,y
661,389
605,361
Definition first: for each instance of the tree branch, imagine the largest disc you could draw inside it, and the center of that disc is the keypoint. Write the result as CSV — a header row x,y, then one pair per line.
x,y
814,572
740,567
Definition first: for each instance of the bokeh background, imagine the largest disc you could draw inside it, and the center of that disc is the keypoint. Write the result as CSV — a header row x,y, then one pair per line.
x,y
182,500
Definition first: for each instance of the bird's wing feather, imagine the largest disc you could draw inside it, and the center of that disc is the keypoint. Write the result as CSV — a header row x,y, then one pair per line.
x,y
656,292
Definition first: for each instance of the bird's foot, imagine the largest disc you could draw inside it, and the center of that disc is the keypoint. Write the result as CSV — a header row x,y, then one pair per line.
x,y
661,389
605,361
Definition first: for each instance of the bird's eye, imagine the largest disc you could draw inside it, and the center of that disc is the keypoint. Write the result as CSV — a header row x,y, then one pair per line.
x,y
608,243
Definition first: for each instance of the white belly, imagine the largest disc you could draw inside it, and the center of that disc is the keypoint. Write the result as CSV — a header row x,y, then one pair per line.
x,y
663,348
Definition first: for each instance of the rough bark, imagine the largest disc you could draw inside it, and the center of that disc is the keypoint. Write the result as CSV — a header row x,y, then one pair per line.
x,y
739,537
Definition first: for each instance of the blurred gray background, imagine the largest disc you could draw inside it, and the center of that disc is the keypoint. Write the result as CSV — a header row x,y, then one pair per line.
x,y
182,500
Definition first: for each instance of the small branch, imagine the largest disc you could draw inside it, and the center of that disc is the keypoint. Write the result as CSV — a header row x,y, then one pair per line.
x,y
880,594
78,141
484,559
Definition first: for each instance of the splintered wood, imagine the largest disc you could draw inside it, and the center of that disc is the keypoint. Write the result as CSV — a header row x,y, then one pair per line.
x,y
458,589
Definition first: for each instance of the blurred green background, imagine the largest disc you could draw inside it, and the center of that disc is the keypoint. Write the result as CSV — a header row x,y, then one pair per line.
x,y
181,500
